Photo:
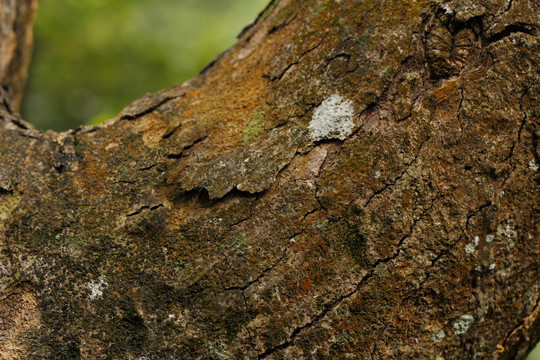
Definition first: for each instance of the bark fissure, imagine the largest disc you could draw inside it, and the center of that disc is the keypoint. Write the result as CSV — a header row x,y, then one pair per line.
x,y
187,147
261,275
399,177
148,110
476,212
529,29
525,322
145,207
328,308
283,71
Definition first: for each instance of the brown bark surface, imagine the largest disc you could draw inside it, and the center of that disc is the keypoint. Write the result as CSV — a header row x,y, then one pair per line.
x,y
16,17
353,179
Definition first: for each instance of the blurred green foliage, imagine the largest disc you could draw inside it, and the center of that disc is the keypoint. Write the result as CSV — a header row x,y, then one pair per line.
x,y
535,354
93,57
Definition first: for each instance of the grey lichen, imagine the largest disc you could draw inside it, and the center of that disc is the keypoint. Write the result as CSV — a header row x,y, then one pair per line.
x,y
438,336
333,119
463,324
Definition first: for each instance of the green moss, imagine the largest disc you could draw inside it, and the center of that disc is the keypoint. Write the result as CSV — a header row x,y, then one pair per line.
x,y
234,322
380,270
253,128
178,265
353,235
8,202
75,242
318,8
384,72
340,310
215,349
132,317
300,76
237,240
273,335
355,238
68,351
343,337
363,40
348,234
126,331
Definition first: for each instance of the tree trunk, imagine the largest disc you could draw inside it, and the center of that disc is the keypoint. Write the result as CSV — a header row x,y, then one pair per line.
x,y
16,17
353,179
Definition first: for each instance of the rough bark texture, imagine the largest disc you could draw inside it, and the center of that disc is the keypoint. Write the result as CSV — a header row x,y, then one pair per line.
x,y
16,17
353,179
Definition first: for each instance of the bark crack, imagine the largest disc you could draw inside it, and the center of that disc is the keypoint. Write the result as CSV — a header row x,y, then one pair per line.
x,y
170,133
187,147
148,110
262,274
399,177
510,156
329,307
145,207
524,28
282,73
525,322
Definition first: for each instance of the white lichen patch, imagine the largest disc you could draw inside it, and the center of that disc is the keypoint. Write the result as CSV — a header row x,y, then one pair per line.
x,y
463,324
171,318
508,231
492,267
469,248
533,165
96,287
476,240
438,336
333,119
447,9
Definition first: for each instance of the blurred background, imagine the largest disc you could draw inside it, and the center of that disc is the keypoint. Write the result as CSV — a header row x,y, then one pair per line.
x,y
94,57
535,354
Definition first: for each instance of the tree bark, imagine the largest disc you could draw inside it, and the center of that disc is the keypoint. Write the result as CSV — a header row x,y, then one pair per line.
x,y
15,48
353,179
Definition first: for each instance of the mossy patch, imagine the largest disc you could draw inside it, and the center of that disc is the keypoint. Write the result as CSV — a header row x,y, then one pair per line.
x,y
74,242
349,236
380,270
354,235
237,240
8,202
355,239
318,8
127,331
60,349
235,321
215,349
253,128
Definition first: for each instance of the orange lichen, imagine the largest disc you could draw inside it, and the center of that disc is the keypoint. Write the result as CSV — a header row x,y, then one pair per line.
x,y
305,284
